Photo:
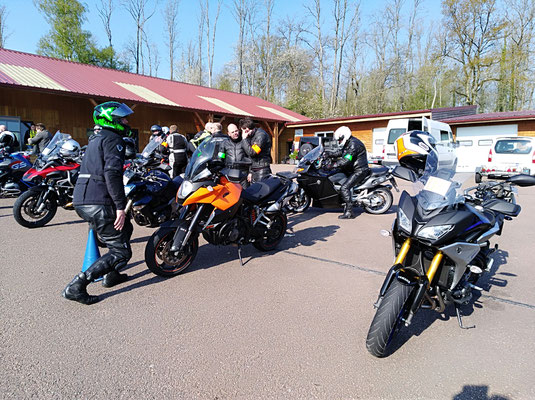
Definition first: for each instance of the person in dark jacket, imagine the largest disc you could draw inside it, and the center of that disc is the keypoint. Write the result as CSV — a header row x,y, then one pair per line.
x,y
41,138
353,161
257,146
178,145
235,151
100,200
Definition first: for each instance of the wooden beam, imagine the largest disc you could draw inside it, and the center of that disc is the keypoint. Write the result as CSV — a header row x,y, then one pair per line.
x,y
275,147
92,101
199,121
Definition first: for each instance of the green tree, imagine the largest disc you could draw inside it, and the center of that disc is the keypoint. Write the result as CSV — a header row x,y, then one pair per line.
x,y
66,38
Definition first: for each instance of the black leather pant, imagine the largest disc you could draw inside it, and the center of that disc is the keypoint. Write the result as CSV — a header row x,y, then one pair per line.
x,y
355,179
260,173
101,219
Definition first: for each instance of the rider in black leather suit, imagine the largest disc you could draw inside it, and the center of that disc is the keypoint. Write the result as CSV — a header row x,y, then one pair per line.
x,y
100,200
257,146
353,161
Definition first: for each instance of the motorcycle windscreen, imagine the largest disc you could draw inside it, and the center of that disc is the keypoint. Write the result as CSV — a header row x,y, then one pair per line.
x,y
54,145
198,167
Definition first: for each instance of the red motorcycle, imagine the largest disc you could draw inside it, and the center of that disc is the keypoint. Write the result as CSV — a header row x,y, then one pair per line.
x,y
55,171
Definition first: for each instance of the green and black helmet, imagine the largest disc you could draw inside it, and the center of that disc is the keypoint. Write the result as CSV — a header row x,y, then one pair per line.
x,y
109,115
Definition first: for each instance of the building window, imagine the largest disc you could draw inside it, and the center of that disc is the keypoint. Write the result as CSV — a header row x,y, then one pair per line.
x,y
298,132
328,134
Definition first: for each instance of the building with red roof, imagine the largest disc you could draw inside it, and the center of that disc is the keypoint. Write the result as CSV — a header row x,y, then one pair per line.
x,y
62,94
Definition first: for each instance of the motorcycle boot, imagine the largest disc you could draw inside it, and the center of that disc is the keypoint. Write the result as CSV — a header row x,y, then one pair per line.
x,y
348,212
77,290
113,278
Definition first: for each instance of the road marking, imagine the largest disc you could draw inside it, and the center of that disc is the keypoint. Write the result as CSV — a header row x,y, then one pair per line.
x,y
381,273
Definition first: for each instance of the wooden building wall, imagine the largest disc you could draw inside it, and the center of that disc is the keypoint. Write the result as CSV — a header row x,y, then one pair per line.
x,y
74,115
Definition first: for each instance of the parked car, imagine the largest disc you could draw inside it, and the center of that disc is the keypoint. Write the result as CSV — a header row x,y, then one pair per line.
x,y
509,156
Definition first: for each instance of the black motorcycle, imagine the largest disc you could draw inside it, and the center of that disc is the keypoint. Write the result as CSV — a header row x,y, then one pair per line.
x,y
441,243
320,187
149,190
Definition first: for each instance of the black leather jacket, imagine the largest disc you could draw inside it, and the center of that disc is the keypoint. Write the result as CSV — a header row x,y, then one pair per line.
x,y
235,151
351,157
100,181
258,148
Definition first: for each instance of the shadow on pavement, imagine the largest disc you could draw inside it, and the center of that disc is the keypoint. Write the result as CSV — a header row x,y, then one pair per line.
x,y
480,392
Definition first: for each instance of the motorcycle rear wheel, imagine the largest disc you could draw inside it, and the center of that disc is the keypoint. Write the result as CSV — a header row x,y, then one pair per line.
x,y
299,202
274,234
388,318
25,213
386,200
159,258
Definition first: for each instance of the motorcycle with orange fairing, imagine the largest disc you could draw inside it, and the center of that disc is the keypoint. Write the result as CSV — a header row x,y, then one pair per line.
x,y
213,203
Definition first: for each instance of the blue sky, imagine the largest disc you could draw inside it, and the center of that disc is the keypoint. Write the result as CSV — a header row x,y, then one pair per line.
x,y
25,25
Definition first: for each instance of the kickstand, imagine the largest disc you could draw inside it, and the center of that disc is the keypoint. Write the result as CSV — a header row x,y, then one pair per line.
x,y
460,320
239,255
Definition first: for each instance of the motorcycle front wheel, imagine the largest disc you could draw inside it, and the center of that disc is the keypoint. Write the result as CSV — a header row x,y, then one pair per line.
x,y
25,210
299,202
159,258
274,234
381,199
388,318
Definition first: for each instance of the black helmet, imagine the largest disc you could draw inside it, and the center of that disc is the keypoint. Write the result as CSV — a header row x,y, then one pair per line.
x,y
109,115
156,129
129,148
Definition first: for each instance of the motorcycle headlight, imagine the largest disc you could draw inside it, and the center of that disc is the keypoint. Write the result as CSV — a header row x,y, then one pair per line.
x,y
185,189
128,189
404,221
434,232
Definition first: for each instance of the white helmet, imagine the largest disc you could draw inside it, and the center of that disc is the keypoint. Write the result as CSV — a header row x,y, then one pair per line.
x,y
165,129
70,149
342,135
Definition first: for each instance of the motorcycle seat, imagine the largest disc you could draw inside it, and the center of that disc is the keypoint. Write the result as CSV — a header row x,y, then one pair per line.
x,y
379,171
260,190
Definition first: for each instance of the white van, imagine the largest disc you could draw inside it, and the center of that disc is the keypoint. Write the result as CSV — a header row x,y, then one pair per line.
x,y
377,154
509,155
440,131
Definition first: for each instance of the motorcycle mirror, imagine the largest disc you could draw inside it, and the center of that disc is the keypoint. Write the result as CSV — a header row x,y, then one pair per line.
x,y
405,173
521,180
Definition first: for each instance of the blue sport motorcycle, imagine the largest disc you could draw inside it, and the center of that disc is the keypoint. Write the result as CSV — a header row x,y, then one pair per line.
x,y
149,190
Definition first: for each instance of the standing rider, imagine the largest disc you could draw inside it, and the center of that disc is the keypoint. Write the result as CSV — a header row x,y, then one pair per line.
x,y
257,146
353,161
99,199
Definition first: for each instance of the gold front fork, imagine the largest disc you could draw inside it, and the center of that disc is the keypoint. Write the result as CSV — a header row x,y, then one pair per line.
x,y
437,259
403,251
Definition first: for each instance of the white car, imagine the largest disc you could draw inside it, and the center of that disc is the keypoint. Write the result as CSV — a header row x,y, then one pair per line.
x,y
509,156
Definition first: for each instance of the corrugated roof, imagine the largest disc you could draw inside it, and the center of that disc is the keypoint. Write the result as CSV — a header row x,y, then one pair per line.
x,y
359,118
492,117
30,70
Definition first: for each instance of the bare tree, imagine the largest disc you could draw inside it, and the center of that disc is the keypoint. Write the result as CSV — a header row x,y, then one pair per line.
x,y
3,31
242,10
170,15
318,46
341,34
474,31
210,35
104,12
136,9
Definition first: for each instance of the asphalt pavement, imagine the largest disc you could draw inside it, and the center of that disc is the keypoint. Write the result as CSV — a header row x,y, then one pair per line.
x,y
289,324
